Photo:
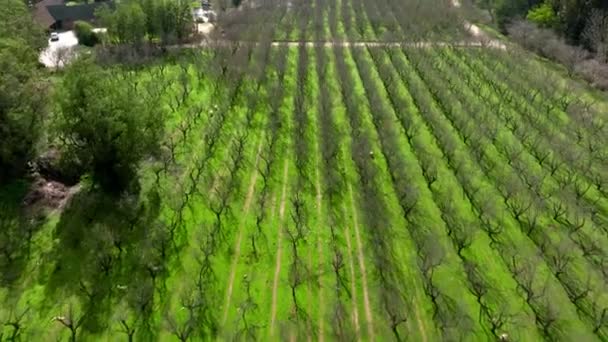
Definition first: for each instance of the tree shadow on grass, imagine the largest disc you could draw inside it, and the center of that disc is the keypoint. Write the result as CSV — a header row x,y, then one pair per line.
x,y
17,229
109,252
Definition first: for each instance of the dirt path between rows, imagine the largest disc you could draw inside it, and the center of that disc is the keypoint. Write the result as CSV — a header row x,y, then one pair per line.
x,y
273,204
353,288
419,44
483,43
277,269
420,323
237,247
361,257
320,254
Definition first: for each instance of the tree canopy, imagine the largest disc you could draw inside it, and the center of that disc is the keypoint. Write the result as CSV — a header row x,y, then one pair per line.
x,y
105,125
543,15
22,94
16,23
133,21
567,17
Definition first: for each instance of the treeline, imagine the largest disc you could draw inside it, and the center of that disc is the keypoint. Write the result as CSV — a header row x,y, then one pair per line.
x,y
573,33
133,22
569,18
22,92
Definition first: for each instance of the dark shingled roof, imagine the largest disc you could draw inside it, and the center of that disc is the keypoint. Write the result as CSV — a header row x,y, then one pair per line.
x,y
42,15
84,12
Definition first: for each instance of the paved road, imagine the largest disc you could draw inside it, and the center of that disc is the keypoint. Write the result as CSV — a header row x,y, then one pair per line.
x,y
420,44
58,53
479,34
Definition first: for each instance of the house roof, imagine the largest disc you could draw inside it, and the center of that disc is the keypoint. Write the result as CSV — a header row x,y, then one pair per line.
x,y
41,13
84,12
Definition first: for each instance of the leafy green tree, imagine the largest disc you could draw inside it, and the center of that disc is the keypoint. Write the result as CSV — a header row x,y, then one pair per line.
x,y
543,15
509,9
16,23
106,125
175,20
22,93
22,104
183,18
126,24
132,21
153,12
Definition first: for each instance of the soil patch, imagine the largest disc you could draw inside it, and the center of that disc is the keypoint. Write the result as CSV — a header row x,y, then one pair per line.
x,y
48,194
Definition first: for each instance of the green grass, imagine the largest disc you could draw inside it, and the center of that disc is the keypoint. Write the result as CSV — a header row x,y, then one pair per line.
x,y
454,131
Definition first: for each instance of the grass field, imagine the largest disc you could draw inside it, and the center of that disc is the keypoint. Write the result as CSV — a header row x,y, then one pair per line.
x,y
335,193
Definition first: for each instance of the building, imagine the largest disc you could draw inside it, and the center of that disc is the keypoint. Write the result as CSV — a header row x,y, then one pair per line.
x,y
56,15
41,14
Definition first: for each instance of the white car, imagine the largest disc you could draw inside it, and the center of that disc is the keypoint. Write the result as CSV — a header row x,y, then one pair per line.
x,y
54,36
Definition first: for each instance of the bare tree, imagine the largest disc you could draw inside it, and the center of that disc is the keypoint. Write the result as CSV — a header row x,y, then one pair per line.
x,y
16,321
547,317
500,318
71,321
61,56
596,34
562,257
127,322
247,310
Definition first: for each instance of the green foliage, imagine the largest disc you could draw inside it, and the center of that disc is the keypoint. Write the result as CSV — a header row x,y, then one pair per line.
x,y
508,9
22,97
567,17
127,24
84,33
236,3
105,125
183,18
543,15
174,19
16,23
133,21
13,235
382,184
573,16
153,12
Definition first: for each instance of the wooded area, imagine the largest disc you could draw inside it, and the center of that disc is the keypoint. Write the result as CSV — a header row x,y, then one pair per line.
x,y
23,93
573,33
569,18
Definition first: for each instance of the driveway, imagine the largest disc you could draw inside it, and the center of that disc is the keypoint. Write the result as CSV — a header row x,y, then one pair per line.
x,y
59,53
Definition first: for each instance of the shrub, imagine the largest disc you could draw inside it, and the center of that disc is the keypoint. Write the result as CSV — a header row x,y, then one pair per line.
x,y
84,33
